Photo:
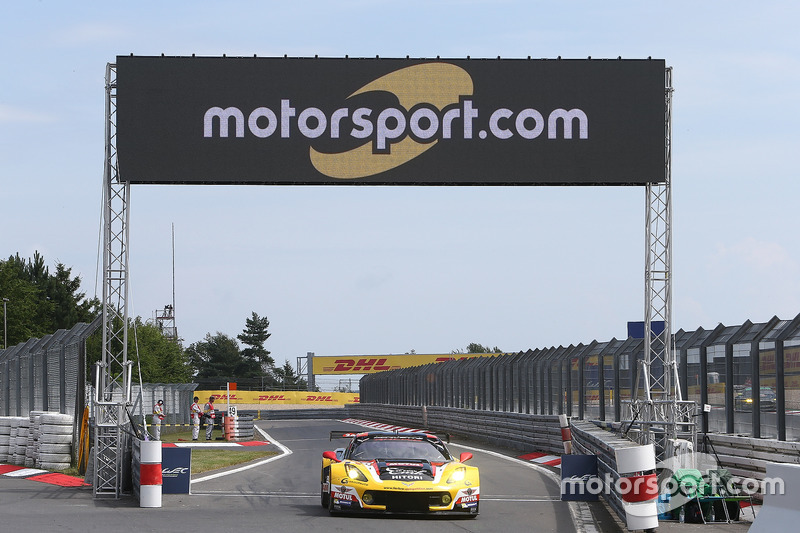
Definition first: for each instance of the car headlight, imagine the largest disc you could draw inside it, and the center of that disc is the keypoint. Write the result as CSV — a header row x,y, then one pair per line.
x,y
458,475
354,473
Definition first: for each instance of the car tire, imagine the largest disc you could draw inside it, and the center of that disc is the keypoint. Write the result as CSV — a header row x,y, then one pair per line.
x,y
325,496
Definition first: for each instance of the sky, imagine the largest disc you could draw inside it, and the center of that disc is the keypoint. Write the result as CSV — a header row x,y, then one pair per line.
x,y
388,270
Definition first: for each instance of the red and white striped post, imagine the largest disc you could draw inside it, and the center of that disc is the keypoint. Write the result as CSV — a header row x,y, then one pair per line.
x,y
150,473
566,433
638,488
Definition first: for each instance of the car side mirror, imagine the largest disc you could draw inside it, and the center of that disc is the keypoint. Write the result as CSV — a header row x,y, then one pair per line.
x,y
464,457
330,455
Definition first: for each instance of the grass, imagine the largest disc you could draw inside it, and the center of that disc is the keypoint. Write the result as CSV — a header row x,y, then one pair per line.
x,y
205,460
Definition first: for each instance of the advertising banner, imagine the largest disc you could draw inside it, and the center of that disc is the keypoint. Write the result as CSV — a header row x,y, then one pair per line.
x,y
369,364
310,399
324,121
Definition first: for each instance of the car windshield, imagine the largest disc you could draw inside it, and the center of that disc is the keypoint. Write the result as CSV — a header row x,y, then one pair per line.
x,y
393,448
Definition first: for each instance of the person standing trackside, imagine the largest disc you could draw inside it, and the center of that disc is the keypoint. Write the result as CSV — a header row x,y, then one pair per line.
x,y
209,412
195,413
158,417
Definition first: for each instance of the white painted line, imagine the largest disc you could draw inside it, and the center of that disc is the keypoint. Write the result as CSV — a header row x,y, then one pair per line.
x,y
285,453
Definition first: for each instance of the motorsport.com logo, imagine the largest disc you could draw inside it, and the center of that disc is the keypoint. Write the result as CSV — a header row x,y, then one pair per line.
x,y
423,124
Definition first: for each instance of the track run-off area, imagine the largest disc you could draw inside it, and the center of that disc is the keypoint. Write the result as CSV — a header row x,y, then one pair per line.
x,y
282,493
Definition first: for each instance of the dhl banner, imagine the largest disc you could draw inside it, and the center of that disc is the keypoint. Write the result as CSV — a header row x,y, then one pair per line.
x,y
279,397
369,364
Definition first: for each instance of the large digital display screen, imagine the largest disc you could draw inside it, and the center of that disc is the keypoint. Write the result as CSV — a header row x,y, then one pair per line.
x,y
327,121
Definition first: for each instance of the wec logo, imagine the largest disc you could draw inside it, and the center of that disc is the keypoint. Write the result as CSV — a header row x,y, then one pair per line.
x,y
435,104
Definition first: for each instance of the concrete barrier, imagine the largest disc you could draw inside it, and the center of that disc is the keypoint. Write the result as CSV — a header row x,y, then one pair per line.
x,y
780,511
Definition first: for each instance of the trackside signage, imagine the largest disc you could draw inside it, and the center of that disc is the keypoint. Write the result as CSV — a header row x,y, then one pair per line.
x,y
370,364
288,121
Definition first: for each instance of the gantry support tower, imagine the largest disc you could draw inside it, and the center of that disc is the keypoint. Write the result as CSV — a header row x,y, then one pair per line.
x,y
113,372
657,408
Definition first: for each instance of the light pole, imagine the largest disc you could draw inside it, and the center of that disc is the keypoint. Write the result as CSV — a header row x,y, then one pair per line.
x,y
5,325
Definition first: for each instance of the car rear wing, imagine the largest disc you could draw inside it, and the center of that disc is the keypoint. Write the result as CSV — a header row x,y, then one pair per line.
x,y
342,434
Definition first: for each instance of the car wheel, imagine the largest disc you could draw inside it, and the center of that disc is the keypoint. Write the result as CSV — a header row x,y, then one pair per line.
x,y
325,495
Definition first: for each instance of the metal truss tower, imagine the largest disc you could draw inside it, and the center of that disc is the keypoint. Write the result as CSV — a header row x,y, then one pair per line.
x,y
113,372
657,406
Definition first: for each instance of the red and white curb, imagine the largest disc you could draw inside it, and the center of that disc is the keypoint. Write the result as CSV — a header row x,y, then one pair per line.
x,y
199,444
42,476
542,459
379,426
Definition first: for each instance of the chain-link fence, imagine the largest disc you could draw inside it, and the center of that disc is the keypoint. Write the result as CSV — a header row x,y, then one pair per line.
x,y
749,375
45,374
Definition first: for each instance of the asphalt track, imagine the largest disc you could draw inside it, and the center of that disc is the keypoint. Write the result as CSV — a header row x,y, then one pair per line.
x,y
282,494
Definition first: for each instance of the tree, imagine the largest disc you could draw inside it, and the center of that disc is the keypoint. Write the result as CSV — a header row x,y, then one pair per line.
x,y
254,336
288,379
474,347
161,360
40,303
218,355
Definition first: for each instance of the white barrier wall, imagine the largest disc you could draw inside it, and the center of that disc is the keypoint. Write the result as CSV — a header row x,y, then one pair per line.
x,y
781,509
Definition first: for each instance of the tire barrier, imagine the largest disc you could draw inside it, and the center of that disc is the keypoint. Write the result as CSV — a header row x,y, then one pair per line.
x,y
147,480
57,431
42,439
239,427
5,437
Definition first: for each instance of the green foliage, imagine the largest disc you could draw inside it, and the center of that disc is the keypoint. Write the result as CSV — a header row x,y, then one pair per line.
x,y
288,379
40,303
162,360
218,355
474,347
254,336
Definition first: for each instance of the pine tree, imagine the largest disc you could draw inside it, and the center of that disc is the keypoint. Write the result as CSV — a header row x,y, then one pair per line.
x,y
254,336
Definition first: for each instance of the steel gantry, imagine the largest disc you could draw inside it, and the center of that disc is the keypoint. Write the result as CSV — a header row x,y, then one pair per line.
x,y
113,372
657,409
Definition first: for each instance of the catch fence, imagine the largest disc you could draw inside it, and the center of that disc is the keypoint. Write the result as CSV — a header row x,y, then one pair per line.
x,y
721,368
46,374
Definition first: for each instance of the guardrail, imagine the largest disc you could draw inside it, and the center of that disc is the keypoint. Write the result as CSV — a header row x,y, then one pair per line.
x,y
589,439
748,457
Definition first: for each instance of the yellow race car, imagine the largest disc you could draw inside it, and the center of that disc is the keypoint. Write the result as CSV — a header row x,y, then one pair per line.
x,y
406,473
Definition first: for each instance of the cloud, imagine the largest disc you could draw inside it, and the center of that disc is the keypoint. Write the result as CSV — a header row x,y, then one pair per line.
x,y
763,257
10,114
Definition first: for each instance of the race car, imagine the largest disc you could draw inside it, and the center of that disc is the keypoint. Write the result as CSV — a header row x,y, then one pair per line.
x,y
399,472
